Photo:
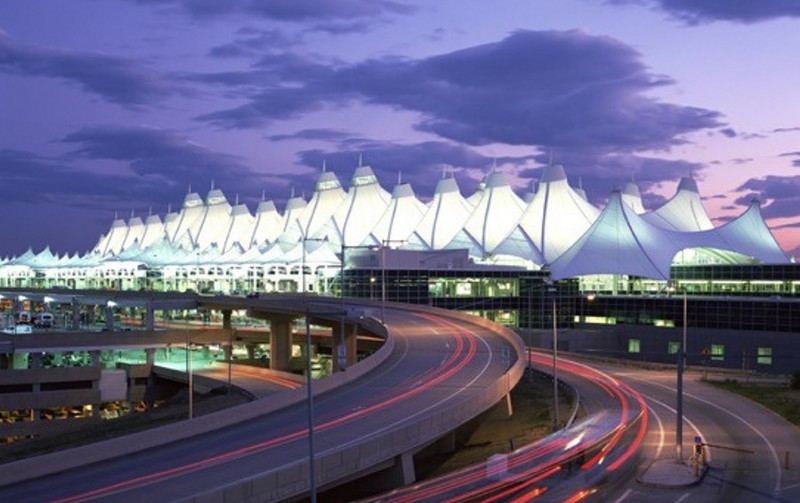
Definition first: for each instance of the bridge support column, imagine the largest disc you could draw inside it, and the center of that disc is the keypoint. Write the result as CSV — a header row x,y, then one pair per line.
x,y
76,315
150,356
149,317
226,318
251,351
447,443
109,318
280,343
345,343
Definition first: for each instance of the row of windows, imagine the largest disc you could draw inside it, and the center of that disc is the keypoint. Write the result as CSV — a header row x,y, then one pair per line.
x,y
713,353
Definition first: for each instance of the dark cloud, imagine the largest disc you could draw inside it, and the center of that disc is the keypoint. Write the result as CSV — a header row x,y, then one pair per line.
x,y
164,156
729,132
752,136
565,90
715,196
781,192
117,80
254,43
694,12
321,134
786,129
795,162
334,16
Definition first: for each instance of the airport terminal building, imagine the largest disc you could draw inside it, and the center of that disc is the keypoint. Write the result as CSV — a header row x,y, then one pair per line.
x,y
614,279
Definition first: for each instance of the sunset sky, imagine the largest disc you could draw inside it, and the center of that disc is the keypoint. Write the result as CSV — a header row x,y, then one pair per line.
x,y
112,105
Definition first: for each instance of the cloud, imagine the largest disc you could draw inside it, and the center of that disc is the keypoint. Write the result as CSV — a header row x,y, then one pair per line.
x,y
693,12
786,129
117,80
321,134
554,89
729,132
163,156
334,16
781,192
253,43
795,162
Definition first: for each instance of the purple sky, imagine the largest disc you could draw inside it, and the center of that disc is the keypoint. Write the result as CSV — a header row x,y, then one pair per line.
x,y
112,106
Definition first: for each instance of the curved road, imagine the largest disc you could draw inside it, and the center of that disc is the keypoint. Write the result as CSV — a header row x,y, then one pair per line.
x,y
436,362
747,466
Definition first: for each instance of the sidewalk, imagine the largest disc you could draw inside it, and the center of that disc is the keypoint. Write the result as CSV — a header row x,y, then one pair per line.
x,y
668,473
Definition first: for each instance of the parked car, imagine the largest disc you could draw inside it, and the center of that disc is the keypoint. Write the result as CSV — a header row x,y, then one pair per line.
x,y
43,320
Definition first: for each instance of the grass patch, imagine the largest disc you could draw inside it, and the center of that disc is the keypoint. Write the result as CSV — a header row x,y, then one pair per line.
x,y
776,397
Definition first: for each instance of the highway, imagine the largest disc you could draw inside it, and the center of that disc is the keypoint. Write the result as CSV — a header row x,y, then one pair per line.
x,y
436,363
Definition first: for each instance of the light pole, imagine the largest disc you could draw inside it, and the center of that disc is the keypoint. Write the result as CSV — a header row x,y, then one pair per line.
x,y
680,368
310,398
555,361
303,264
191,381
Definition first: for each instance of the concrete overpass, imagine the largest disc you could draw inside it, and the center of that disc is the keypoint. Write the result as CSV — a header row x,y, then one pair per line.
x,y
437,370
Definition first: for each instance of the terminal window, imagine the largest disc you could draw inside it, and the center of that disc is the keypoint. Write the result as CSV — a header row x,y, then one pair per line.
x,y
764,356
634,346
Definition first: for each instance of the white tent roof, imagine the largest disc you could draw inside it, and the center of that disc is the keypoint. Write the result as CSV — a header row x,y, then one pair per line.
x,y
115,237
269,224
240,228
494,216
359,212
683,212
443,219
632,197
135,232
400,218
215,220
749,235
189,218
557,216
328,196
620,242
153,230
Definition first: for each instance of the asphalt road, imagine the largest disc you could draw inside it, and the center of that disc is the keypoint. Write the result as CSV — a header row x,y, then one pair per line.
x,y
435,363
748,464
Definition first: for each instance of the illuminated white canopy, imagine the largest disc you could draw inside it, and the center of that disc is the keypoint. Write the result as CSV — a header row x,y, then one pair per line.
x,y
683,212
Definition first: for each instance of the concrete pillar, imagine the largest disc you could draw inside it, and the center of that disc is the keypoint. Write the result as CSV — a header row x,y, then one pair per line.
x,y
149,317
344,350
95,358
150,355
226,318
36,360
280,343
109,318
251,351
76,315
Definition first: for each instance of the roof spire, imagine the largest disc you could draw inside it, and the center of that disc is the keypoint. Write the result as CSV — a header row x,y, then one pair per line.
x,y
169,207
399,177
580,183
444,171
324,165
116,215
212,184
150,211
190,188
550,162
263,195
131,212
237,199
494,165
360,159
292,194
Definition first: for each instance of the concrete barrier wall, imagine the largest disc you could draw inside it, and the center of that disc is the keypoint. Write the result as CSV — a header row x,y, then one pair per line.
x,y
361,458
48,464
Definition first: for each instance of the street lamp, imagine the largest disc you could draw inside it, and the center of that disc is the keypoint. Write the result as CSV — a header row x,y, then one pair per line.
x,y
555,360
679,370
191,381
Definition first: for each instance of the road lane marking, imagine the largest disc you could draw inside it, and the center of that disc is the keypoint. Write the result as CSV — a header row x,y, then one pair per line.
x,y
772,450
682,498
624,495
686,419
661,435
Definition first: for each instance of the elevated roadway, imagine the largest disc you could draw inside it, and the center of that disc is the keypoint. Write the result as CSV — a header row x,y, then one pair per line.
x,y
438,370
